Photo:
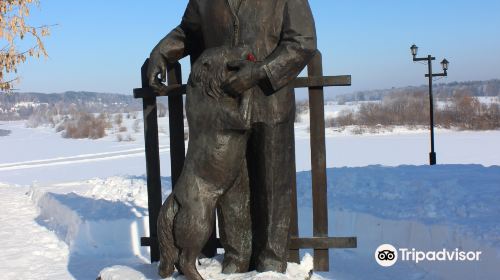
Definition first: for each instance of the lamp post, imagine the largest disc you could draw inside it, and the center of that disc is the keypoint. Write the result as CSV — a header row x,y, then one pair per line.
x,y
430,75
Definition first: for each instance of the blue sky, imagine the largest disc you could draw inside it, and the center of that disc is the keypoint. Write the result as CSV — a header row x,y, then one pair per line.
x,y
100,45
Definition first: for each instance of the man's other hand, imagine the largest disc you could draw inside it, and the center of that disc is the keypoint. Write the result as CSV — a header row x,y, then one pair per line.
x,y
157,67
245,76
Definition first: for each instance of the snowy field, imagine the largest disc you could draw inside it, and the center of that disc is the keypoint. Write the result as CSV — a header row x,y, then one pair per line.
x,y
73,209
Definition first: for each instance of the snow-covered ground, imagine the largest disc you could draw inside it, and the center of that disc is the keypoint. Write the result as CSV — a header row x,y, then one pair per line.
x,y
41,155
75,208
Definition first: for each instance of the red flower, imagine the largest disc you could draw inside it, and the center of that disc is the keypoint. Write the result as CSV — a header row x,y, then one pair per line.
x,y
251,57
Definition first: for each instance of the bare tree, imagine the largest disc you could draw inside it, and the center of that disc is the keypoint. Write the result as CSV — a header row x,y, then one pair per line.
x,y
118,119
136,126
13,29
462,111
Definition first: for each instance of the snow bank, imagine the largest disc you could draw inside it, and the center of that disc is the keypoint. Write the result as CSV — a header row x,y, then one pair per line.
x,y
444,206
212,269
462,195
103,220
424,207
93,227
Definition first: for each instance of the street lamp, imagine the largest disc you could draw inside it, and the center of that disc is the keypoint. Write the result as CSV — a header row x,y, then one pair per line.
x,y
430,75
414,50
445,64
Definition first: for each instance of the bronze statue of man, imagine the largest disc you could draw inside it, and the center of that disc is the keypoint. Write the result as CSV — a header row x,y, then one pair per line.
x,y
281,37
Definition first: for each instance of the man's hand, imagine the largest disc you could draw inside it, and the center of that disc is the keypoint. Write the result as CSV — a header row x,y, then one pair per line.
x,y
157,66
246,75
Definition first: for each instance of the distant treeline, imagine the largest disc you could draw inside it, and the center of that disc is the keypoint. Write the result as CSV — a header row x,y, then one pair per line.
x,y
461,111
441,91
402,106
19,106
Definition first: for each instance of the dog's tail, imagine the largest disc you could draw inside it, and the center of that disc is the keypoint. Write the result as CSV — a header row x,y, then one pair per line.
x,y
169,253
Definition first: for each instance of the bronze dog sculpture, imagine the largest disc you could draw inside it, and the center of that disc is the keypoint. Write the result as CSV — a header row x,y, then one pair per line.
x,y
214,160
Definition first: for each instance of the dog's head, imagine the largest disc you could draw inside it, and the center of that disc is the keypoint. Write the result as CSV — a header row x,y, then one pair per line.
x,y
210,69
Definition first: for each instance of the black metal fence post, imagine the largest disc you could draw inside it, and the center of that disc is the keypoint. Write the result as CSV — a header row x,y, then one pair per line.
x,y
318,163
152,165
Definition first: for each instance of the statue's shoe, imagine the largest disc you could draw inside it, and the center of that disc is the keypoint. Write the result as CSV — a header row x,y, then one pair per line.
x,y
231,266
271,265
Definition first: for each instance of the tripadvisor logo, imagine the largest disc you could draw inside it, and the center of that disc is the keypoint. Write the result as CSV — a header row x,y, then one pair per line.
x,y
387,255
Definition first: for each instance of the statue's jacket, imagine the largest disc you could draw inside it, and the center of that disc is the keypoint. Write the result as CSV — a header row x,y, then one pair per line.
x,y
280,33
